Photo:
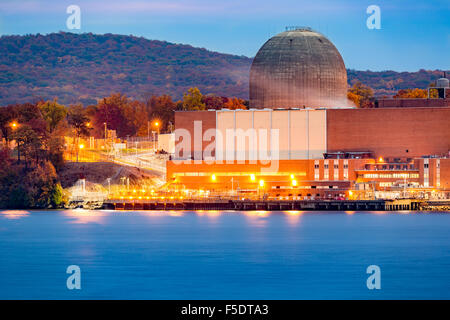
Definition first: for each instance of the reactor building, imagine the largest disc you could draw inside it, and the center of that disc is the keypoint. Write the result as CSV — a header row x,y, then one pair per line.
x,y
298,68
299,120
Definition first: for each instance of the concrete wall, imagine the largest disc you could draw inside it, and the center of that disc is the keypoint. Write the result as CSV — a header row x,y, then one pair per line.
x,y
166,142
296,134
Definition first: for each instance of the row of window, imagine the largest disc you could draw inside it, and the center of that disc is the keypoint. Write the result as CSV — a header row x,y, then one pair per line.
x,y
305,187
391,175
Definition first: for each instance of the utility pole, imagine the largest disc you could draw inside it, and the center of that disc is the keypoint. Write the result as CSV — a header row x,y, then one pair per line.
x,y
106,134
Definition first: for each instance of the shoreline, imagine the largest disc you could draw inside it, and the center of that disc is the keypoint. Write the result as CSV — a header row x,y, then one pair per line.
x,y
280,205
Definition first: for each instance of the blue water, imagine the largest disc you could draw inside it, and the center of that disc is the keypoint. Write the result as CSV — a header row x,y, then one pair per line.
x,y
223,255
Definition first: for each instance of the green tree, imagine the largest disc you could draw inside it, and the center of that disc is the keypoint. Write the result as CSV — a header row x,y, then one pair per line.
x,y
53,113
193,100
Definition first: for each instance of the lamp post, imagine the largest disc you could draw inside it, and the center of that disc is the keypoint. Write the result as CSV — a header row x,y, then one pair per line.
x,y
106,135
157,125
14,125
80,147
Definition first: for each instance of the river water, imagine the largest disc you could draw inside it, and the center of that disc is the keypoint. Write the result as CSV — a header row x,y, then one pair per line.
x,y
224,255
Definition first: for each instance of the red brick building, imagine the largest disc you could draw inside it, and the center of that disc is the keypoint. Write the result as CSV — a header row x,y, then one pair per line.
x,y
321,153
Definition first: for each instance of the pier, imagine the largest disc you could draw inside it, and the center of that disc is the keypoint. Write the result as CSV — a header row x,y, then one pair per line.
x,y
276,205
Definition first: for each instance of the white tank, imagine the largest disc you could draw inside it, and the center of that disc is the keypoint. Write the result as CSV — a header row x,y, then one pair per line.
x,y
442,83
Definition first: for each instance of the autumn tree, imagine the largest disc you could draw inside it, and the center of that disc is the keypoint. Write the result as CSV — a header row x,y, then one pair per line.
x,y
162,108
214,102
27,142
235,103
7,115
411,94
192,100
78,121
113,111
361,95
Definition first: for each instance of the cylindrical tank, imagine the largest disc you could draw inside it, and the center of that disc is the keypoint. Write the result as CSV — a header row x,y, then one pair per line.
x,y
298,68
442,83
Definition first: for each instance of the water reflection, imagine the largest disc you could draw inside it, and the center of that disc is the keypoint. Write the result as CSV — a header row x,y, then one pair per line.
x,y
81,216
257,218
15,214
293,217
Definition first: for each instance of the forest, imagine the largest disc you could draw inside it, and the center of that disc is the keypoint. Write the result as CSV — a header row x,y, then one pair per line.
x,y
83,68
33,137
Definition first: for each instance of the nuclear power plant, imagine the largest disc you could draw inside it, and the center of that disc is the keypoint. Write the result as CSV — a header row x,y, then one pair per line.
x,y
301,140
298,68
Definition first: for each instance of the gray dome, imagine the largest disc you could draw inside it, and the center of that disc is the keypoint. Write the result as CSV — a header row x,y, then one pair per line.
x,y
298,68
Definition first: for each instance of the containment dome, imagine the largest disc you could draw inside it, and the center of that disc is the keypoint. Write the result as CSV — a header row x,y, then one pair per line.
x,y
298,68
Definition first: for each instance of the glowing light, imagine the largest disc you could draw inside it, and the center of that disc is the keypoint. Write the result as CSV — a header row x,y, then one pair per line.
x,y
213,177
380,159
81,146
14,125
294,183
14,214
261,183
292,176
134,191
252,177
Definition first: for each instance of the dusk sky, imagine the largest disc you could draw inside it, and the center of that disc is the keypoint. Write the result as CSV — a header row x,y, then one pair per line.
x,y
414,34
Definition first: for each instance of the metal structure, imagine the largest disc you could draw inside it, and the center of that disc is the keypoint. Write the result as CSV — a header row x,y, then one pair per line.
x,y
298,68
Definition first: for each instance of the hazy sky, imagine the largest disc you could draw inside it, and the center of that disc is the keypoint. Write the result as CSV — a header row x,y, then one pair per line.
x,y
414,34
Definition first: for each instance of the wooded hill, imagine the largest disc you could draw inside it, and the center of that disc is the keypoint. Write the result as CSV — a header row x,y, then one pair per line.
x,y
86,67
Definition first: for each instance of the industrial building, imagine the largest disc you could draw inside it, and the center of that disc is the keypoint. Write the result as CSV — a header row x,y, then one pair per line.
x,y
298,145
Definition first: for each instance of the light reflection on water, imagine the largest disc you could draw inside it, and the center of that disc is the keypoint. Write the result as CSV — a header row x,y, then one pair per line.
x,y
14,214
223,254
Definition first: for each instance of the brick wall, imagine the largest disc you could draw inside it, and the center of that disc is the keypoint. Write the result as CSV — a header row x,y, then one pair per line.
x,y
390,132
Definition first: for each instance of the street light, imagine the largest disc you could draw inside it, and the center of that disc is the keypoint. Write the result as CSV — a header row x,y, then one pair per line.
x,y
14,125
157,125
